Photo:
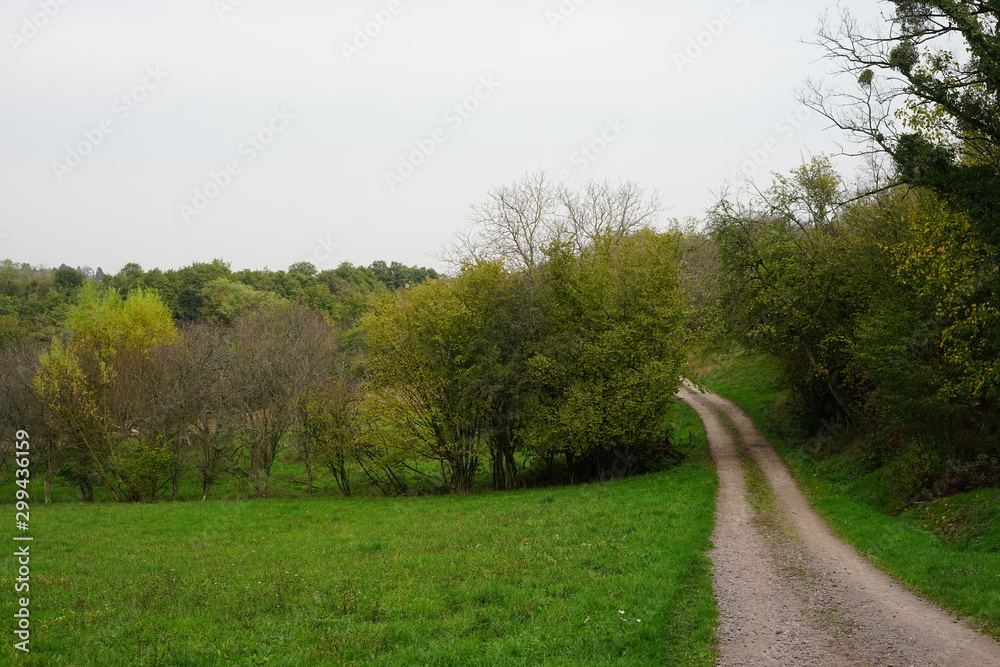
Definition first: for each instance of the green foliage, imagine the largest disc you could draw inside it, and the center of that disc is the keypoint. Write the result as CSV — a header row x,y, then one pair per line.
x,y
925,349
793,274
226,301
612,352
12,331
936,110
908,473
34,302
90,387
881,310
419,342
214,292
575,357
67,279
187,286
397,276
32,306
142,465
327,426
105,325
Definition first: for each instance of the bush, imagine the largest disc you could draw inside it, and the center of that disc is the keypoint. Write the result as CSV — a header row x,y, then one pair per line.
x,y
909,476
982,473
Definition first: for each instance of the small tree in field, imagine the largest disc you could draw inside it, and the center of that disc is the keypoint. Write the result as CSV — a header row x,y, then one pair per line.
x,y
20,408
97,388
193,404
611,354
327,415
276,352
419,363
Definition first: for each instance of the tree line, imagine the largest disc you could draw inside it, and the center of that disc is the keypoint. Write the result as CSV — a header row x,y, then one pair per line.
x,y
34,301
137,378
550,353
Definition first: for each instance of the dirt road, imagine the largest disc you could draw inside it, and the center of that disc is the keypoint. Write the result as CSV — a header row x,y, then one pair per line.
x,y
789,591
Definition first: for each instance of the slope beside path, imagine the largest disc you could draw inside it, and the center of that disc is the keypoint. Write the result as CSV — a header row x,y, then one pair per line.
x,y
789,591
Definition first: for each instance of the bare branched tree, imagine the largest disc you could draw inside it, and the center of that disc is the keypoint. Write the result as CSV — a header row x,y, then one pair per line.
x,y
925,90
21,409
513,224
517,222
192,403
602,209
278,350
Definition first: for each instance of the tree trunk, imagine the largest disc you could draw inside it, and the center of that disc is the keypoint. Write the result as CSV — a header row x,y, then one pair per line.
x,y
309,471
176,476
86,488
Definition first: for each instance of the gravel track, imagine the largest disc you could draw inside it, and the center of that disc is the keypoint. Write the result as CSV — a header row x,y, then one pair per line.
x,y
789,591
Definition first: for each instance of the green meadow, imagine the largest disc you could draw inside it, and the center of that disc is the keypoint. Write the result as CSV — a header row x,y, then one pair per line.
x,y
596,574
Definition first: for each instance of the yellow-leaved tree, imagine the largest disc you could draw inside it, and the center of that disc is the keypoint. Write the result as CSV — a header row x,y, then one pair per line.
x,y
99,387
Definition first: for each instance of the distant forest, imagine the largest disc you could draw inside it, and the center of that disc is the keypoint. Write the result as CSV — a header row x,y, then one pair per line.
x,y
34,300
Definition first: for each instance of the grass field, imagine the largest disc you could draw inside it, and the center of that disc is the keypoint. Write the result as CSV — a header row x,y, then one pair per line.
x,y
948,550
602,574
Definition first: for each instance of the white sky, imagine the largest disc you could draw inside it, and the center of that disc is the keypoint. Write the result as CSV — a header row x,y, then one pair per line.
x,y
322,181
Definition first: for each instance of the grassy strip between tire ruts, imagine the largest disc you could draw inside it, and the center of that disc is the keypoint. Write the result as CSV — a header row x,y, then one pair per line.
x,y
600,574
777,530
948,550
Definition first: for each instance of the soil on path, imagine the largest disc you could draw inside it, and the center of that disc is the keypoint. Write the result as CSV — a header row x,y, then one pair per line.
x,y
789,591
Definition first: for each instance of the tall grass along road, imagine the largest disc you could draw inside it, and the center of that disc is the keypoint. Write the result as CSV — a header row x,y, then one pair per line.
x,y
791,593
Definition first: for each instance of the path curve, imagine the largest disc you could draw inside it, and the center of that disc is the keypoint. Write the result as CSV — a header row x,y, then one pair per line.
x,y
791,593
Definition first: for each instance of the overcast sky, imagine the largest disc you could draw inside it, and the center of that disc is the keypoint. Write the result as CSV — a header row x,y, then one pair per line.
x,y
266,132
